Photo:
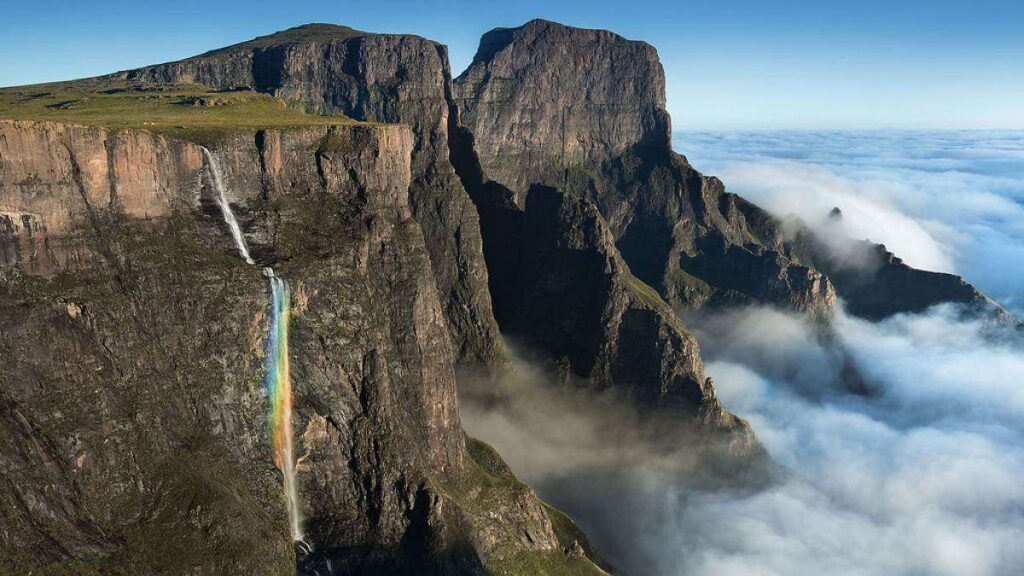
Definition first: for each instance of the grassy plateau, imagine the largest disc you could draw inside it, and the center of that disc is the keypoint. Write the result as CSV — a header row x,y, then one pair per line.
x,y
180,110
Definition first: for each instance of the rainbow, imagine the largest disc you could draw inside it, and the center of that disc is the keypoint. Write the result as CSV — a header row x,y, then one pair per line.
x,y
278,383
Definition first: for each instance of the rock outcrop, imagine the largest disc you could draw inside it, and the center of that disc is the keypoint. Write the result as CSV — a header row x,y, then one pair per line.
x,y
563,144
874,283
132,416
587,108
391,78
545,98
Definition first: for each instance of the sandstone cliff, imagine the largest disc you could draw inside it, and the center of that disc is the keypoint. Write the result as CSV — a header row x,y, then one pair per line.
x,y
133,418
381,78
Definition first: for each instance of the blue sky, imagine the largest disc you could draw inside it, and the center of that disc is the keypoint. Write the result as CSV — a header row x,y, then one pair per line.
x,y
741,64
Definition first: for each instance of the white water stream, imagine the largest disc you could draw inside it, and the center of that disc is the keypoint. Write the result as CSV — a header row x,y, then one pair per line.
x,y
277,364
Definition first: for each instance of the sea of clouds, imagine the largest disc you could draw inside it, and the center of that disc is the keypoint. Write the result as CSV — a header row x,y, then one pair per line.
x,y
943,201
917,469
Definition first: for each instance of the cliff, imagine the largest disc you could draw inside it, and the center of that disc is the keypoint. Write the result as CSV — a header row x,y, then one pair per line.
x,y
412,215
133,419
563,144
392,78
406,79
544,97
586,109
874,283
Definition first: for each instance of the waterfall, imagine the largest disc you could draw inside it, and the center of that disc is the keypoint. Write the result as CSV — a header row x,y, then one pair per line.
x,y
277,377
217,178
279,387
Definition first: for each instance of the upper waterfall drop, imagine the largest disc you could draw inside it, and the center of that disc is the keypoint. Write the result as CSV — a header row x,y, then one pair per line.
x,y
217,179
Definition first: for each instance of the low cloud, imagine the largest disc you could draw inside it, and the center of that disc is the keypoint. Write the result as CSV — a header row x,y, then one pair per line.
x,y
922,476
901,442
949,202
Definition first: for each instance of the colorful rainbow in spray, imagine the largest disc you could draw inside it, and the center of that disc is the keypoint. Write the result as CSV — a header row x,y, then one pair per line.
x,y
278,382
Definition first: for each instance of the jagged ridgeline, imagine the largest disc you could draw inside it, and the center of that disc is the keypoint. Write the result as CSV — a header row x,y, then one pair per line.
x,y
405,217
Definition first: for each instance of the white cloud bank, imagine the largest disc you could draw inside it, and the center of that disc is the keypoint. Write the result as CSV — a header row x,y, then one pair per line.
x,y
943,201
922,475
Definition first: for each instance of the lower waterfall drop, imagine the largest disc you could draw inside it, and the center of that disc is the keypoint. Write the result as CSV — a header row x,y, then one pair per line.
x,y
279,389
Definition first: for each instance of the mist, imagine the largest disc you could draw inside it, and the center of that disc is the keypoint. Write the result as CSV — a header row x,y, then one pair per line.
x,y
921,475
942,201
900,443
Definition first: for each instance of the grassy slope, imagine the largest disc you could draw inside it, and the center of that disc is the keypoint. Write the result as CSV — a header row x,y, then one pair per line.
x,y
494,482
186,111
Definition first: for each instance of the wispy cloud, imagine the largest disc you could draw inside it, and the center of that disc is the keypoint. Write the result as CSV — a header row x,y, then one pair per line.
x,y
944,201
921,476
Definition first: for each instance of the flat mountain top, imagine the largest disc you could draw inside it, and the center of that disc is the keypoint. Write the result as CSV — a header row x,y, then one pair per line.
x,y
182,110
305,33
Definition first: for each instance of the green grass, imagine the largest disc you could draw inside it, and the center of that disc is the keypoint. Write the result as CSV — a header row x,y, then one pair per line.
x,y
179,110
544,564
490,486
647,294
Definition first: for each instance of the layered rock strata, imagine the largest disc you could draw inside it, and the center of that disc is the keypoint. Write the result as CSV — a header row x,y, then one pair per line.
x,y
134,419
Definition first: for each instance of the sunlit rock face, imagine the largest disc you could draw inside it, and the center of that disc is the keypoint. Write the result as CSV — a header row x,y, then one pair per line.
x,y
543,98
378,78
132,406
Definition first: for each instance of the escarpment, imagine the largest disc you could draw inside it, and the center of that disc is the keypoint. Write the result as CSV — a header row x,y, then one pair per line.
x,y
393,78
132,416
412,215
406,79
563,144
875,283
584,111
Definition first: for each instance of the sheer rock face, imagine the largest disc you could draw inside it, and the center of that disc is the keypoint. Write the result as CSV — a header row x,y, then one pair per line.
x,y
544,97
380,78
584,111
563,145
577,299
560,286
133,420
41,202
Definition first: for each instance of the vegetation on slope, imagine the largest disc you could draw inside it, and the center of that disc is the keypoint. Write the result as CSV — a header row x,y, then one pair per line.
x,y
491,485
